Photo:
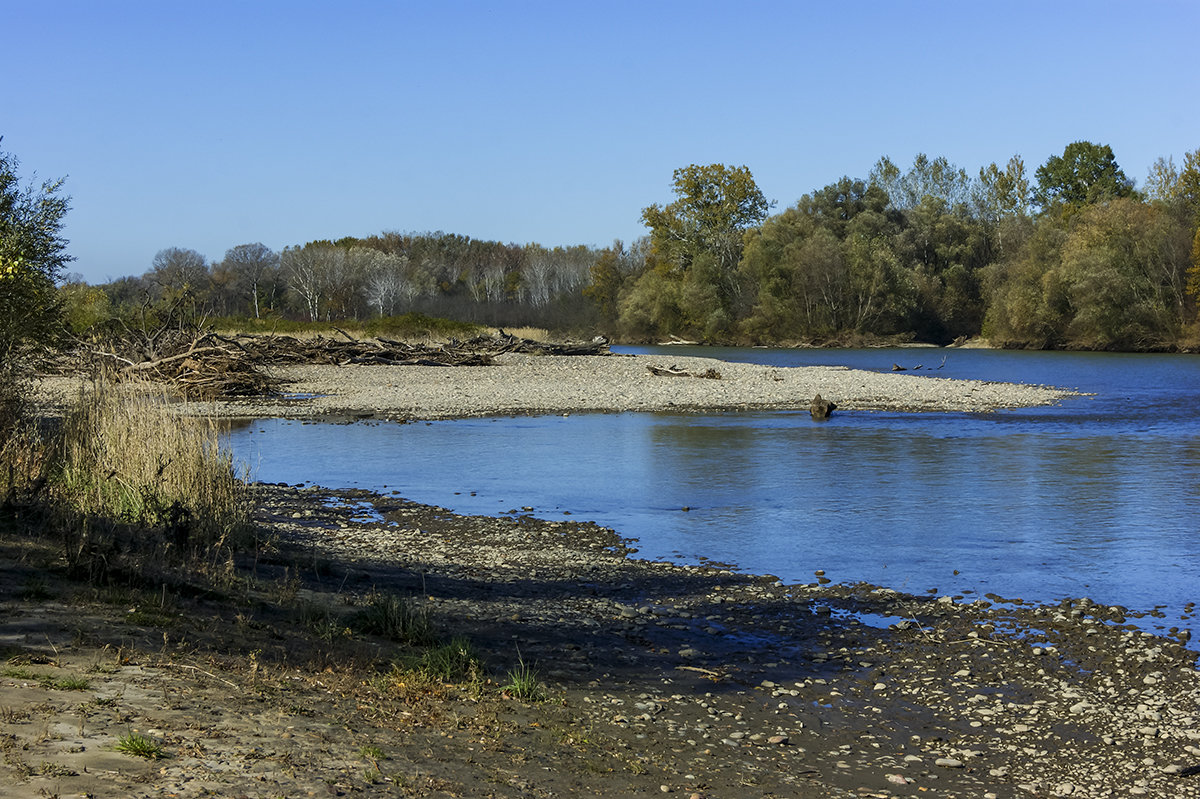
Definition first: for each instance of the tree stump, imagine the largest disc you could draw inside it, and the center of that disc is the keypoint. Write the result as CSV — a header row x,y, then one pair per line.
x,y
821,409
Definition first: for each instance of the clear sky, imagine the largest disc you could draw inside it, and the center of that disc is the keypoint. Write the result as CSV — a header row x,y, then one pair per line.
x,y
211,124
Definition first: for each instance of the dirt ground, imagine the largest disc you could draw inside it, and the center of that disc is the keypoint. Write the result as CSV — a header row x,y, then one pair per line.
x,y
653,678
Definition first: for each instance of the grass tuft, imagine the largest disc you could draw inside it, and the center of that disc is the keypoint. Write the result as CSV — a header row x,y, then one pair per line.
x,y
394,617
524,683
452,662
139,745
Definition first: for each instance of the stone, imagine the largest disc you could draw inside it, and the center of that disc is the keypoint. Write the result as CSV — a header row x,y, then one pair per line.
x,y
948,762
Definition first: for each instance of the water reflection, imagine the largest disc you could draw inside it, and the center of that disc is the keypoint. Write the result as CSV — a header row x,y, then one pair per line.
x,y
1086,499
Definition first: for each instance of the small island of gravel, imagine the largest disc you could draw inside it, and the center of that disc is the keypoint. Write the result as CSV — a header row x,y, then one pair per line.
x,y
521,383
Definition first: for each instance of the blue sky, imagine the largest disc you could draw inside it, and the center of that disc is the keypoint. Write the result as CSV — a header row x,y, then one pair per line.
x,y
207,125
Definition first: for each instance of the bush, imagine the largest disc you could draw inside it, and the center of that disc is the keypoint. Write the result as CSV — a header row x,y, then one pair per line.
x,y
31,259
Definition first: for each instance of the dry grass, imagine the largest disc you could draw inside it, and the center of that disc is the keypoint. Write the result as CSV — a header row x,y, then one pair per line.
x,y
127,484
531,333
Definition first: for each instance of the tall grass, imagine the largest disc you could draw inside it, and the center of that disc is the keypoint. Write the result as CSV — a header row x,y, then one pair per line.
x,y
131,481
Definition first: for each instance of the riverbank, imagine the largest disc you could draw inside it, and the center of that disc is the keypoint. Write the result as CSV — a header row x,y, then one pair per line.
x,y
530,384
657,678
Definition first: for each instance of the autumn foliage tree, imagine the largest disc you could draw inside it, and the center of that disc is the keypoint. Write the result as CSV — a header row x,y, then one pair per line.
x,y
696,245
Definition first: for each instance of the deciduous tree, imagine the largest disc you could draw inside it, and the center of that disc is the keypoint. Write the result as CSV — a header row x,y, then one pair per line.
x,y
701,230
32,257
1085,173
253,269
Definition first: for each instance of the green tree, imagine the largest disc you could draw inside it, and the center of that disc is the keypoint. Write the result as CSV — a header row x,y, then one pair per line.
x,y
1003,192
1085,173
1028,305
1003,198
1126,272
827,266
32,257
944,247
615,267
1110,276
83,306
696,242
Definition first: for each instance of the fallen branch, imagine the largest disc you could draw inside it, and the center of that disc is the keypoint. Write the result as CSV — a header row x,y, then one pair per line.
x,y
672,371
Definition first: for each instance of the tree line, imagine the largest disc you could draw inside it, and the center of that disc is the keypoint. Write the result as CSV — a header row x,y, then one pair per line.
x,y
1073,255
439,274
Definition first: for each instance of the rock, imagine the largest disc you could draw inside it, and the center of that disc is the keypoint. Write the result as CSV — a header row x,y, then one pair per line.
x,y
821,409
948,762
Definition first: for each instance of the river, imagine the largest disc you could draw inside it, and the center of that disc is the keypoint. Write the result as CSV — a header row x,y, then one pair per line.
x,y
1097,497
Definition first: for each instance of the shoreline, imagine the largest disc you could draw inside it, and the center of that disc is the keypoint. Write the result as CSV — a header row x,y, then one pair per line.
x,y
700,680
859,689
696,680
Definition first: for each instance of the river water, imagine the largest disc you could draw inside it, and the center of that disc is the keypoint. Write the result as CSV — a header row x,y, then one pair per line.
x,y
1097,497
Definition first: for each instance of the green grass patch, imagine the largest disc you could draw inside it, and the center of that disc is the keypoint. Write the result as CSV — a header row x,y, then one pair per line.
x,y
139,745
71,682
524,683
320,620
372,753
453,662
393,617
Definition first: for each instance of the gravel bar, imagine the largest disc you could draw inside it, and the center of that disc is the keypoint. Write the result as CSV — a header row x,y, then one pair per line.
x,y
531,384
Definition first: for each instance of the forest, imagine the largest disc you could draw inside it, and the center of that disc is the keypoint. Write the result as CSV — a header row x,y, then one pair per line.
x,y
1073,256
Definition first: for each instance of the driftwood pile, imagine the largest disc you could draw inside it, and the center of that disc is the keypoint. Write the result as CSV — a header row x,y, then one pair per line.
x,y
674,371
211,366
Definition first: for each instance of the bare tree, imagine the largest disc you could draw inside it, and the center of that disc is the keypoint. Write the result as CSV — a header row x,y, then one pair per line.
x,y
381,275
250,267
309,271
177,271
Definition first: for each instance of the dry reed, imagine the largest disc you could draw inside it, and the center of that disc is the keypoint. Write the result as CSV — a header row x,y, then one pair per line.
x,y
133,479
